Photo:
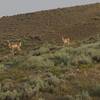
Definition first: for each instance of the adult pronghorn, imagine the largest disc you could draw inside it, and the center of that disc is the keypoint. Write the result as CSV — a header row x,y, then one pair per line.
x,y
66,40
14,46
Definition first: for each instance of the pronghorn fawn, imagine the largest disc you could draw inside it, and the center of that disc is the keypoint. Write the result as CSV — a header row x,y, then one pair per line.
x,y
13,46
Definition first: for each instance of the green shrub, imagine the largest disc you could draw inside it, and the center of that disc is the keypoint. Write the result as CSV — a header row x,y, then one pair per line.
x,y
94,54
40,51
39,84
2,67
79,60
10,95
37,62
95,90
84,95
15,61
43,50
61,58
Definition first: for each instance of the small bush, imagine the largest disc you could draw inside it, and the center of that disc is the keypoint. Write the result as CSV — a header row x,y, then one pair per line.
x,y
10,95
61,58
84,95
94,54
37,62
43,50
81,60
2,67
95,90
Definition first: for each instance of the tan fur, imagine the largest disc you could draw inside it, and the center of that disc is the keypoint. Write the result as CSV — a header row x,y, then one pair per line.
x,y
14,45
66,40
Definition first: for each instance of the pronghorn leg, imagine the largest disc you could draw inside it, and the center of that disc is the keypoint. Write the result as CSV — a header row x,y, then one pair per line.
x,y
64,45
68,42
12,51
19,49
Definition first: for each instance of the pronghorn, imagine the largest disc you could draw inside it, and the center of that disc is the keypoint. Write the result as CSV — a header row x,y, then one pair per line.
x,y
14,46
66,40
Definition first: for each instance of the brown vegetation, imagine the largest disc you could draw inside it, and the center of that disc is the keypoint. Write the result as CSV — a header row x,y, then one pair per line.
x,y
75,22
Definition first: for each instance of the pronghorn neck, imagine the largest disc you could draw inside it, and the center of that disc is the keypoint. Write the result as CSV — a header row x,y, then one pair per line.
x,y
9,44
63,38
20,43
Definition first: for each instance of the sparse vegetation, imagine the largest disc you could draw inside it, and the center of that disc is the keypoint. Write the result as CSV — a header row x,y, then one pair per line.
x,y
40,71
44,69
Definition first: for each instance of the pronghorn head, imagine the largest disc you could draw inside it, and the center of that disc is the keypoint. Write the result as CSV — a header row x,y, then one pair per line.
x,y
66,40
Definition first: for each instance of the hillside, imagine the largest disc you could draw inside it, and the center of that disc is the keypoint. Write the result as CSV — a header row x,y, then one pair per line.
x,y
52,72
76,22
34,67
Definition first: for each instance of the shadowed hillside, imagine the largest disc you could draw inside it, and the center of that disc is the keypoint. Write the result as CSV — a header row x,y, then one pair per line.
x,y
77,22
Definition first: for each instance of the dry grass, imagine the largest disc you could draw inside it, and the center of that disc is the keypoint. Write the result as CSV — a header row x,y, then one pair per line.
x,y
76,22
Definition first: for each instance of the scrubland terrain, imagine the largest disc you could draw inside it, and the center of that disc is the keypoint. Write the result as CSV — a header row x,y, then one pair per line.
x,y
44,69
